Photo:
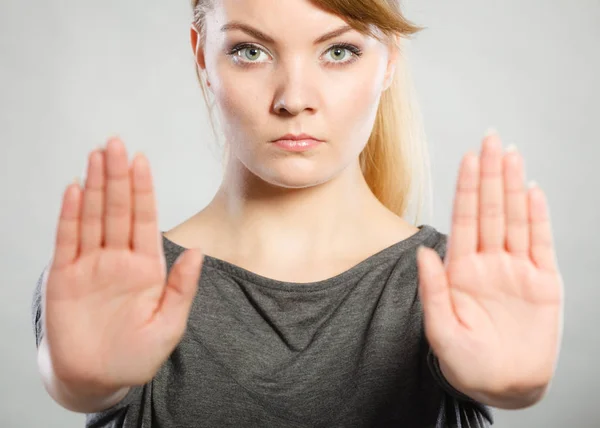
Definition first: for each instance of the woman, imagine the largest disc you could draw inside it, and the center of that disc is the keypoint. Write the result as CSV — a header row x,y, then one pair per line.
x,y
300,296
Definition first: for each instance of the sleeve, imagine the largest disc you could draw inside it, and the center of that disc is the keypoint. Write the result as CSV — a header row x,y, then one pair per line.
x,y
125,414
457,410
122,414
36,307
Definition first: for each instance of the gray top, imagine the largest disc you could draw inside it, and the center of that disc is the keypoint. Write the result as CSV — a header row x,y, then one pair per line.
x,y
348,351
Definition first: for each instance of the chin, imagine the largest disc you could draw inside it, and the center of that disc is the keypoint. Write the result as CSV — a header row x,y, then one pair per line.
x,y
289,180
295,175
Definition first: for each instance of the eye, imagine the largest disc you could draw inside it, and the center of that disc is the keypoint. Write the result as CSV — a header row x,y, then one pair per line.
x,y
247,54
340,51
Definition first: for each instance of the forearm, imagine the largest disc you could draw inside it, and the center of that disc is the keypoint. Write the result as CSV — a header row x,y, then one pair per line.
x,y
508,399
81,400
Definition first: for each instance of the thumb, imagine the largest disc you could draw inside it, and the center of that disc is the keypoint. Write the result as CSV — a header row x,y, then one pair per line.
x,y
180,290
434,292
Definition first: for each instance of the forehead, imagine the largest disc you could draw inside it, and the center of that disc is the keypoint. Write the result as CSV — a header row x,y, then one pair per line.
x,y
282,10
287,20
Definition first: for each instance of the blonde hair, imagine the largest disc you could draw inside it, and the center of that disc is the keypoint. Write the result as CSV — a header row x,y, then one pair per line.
x,y
395,160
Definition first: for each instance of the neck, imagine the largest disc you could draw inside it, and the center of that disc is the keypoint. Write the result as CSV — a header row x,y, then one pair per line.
x,y
259,220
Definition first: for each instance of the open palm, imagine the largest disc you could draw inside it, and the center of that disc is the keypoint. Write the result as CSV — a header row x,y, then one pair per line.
x,y
493,307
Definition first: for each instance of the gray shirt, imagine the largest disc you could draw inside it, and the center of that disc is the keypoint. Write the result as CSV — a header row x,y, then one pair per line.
x,y
348,351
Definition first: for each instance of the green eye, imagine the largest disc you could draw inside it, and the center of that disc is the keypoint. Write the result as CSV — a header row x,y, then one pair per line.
x,y
252,53
339,53
342,54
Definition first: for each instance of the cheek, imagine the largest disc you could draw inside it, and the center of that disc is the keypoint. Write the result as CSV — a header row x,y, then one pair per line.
x,y
353,110
238,100
346,104
237,93
241,102
358,102
354,97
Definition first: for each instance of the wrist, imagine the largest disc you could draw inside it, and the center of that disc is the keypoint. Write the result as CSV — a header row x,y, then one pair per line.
x,y
505,397
76,396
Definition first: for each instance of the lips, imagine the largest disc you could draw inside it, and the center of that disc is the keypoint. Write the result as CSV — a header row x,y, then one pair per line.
x,y
296,137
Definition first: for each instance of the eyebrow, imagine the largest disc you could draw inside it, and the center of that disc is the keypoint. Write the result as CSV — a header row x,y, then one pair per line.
x,y
267,39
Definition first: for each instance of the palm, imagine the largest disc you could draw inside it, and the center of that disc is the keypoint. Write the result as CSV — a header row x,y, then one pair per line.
x,y
493,309
110,292
102,272
113,295
111,314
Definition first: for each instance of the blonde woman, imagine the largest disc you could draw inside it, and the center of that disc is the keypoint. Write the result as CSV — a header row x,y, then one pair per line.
x,y
301,295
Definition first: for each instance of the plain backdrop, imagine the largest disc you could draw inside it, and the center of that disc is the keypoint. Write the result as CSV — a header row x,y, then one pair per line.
x,y
73,73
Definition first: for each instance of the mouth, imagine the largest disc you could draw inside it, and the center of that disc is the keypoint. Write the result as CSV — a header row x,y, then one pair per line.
x,y
297,143
296,137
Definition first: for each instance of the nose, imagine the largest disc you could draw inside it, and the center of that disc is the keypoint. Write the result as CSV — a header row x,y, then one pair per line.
x,y
296,90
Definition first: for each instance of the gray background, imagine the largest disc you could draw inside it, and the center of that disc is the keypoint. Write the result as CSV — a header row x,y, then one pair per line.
x,y
74,72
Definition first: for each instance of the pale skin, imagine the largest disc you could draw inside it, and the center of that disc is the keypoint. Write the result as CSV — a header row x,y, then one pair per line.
x,y
313,212
493,308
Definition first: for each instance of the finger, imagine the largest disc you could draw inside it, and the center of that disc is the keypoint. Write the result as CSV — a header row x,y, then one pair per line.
x,y
517,219
117,216
181,288
93,203
463,234
491,196
67,232
146,238
542,245
434,292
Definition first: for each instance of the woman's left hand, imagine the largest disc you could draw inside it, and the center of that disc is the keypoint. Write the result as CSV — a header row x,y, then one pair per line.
x,y
493,308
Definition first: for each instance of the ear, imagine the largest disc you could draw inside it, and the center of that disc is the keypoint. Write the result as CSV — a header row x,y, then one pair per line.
x,y
198,50
393,53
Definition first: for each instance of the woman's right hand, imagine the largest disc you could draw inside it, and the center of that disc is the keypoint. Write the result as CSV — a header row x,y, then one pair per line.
x,y
111,316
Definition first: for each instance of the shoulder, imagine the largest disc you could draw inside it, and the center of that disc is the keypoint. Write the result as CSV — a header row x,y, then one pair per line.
x,y
172,250
434,239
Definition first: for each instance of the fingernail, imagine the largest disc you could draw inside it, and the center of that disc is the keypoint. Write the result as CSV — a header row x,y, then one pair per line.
x,y
114,140
141,158
490,131
511,148
77,181
531,184
100,147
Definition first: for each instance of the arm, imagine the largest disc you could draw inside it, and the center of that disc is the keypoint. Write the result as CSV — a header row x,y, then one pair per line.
x,y
493,307
508,400
457,408
76,399
71,398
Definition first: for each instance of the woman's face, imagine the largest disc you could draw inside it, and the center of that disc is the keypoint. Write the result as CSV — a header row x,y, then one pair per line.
x,y
292,82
